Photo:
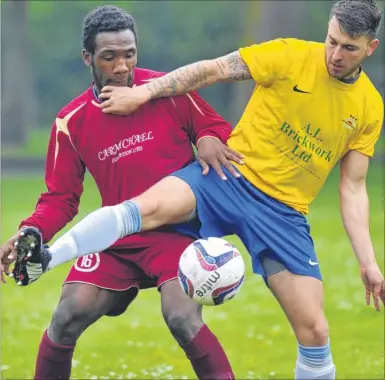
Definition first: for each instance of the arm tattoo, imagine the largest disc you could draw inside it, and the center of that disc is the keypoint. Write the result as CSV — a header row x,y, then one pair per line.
x,y
231,67
235,67
180,81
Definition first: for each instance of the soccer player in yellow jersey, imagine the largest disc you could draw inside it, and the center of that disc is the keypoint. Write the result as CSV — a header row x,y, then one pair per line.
x,y
313,107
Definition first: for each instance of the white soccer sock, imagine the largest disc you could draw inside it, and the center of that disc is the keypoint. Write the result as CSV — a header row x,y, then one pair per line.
x,y
303,372
96,232
315,363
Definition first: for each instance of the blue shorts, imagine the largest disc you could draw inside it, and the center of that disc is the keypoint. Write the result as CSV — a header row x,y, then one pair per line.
x,y
267,227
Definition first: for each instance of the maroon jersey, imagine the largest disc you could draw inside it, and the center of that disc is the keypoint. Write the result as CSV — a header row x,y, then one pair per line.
x,y
124,154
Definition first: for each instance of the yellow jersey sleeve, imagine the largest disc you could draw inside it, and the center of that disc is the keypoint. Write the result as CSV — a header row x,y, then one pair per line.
x,y
270,60
367,138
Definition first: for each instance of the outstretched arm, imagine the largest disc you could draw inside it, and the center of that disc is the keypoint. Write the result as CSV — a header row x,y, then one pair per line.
x,y
188,78
355,215
265,63
123,100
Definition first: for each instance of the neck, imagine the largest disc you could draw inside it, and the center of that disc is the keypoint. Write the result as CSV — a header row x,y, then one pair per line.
x,y
353,75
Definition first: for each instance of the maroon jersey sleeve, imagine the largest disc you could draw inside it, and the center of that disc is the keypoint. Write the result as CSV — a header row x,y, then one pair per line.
x,y
64,180
201,119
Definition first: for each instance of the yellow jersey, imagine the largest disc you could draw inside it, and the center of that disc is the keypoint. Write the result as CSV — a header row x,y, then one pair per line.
x,y
300,121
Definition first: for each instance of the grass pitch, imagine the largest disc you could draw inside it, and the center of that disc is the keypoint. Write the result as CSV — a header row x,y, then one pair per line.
x,y
252,328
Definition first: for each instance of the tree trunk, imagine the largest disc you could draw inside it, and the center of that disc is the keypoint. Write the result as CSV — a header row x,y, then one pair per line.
x,y
18,103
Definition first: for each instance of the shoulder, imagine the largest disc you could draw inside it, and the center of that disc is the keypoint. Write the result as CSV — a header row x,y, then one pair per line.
x,y
372,94
294,44
305,49
297,48
281,52
373,100
75,105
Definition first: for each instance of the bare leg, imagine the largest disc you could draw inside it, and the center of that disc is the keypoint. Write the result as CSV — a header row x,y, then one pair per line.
x,y
80,306
169,201
184,319
301,298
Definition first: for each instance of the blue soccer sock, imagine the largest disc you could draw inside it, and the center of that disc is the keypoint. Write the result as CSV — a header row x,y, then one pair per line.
x,y
130,216
315,363
96,232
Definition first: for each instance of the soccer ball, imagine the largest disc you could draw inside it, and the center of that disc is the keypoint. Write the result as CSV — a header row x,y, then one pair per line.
x,y
211,271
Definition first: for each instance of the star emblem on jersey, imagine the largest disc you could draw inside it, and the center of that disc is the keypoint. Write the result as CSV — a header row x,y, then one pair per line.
x,y
296,89
350,122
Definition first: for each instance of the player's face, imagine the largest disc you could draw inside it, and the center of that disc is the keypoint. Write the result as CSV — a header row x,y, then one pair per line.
x,y
114,60
344,54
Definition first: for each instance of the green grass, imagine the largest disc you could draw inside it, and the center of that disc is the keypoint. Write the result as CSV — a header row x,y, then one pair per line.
x,y
252,328
37,142
35,146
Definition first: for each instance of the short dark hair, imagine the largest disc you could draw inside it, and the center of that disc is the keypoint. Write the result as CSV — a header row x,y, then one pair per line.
x,y
358,17
106,18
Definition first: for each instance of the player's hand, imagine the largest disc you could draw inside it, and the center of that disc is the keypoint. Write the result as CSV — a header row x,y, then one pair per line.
x,y
374,284
123,100
7,256
212,152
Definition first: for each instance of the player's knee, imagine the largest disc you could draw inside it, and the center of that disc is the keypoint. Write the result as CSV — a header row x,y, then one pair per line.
x,y
169,201
149,207
314,332
69,320
319,332
183,325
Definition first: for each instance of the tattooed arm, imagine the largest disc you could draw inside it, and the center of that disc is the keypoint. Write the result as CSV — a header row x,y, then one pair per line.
x,y
228,68
125,100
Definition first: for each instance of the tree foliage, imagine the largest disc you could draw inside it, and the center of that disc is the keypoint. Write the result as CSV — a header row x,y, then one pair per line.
x,y
171,34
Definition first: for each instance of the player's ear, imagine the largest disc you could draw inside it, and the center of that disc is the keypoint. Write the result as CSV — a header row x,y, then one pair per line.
x,y
87,58
373,46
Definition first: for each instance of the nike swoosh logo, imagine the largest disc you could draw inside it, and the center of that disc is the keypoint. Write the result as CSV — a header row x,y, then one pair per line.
x,y
296,89
312,263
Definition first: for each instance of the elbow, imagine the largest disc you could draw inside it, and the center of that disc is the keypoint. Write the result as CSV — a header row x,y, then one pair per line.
x,y
349,189
71,209
354,201
346,196
343,190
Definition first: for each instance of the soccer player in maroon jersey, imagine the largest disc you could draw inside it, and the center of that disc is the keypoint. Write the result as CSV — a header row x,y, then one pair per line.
x,y
125,156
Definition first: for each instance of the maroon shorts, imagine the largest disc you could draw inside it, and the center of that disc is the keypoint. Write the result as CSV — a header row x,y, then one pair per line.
x,y
129,270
